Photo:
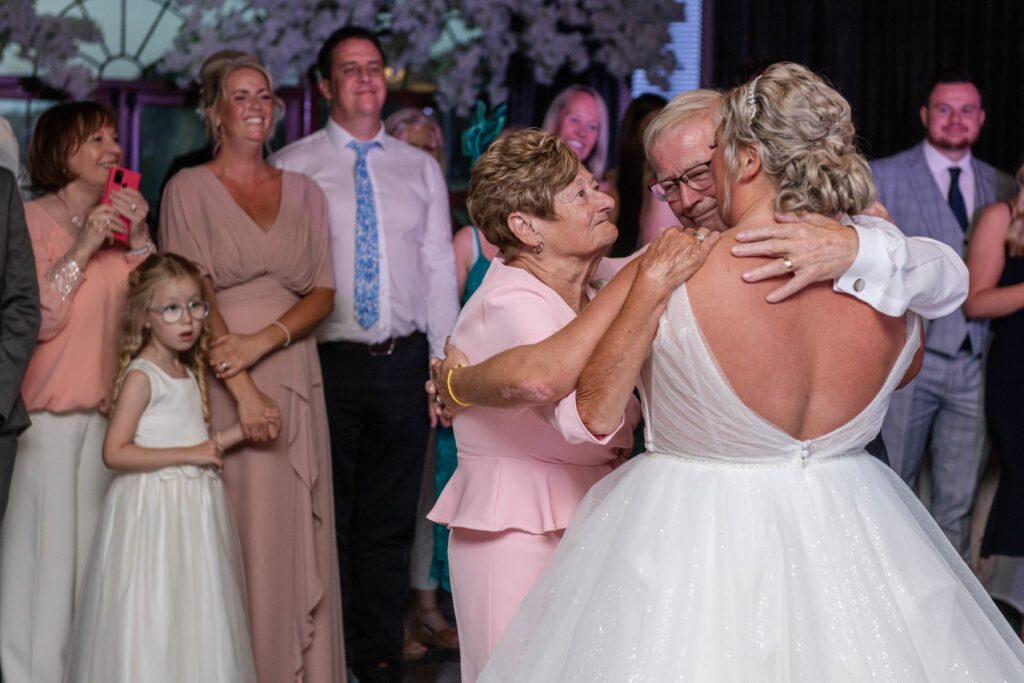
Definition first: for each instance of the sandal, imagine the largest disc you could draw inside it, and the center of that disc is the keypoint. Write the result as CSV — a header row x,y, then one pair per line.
x,y
446,637
412,649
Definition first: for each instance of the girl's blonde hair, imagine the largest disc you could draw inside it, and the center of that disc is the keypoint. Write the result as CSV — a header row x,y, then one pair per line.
x,y
1015,233
155,271
804,134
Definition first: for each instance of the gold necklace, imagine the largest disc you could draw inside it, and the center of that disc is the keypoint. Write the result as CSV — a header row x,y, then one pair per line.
x,y
76,220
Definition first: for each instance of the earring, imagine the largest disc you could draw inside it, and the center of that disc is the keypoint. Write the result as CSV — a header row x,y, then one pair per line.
x,y
539,248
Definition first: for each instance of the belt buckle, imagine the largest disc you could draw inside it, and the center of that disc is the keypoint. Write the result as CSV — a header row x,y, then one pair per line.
x,y
382,349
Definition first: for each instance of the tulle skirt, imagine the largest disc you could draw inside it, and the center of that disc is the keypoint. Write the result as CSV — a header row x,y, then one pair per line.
x,y
163,600
683,569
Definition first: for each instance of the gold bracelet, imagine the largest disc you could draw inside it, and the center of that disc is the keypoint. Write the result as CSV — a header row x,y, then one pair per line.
x,y
451,393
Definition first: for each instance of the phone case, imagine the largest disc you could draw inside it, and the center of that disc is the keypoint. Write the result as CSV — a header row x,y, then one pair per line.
x,y
120,177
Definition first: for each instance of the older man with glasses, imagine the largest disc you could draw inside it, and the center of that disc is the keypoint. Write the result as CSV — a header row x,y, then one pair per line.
x,y
872,261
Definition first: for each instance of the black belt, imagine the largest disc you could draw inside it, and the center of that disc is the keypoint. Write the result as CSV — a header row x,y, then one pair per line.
x,y
384,348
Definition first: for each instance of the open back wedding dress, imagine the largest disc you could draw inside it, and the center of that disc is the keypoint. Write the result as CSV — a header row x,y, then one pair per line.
x,y
732,552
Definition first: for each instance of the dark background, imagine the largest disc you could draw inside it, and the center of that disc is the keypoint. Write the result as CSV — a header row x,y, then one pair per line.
x,y
881,56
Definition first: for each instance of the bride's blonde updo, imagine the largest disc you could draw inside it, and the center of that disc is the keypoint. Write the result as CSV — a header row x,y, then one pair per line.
x,y
803,132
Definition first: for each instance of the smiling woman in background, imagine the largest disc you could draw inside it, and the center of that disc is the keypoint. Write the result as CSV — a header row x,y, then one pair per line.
x,y
579,116
259,236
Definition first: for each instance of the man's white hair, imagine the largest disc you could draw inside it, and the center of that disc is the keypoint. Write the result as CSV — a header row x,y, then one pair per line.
x,y
685,109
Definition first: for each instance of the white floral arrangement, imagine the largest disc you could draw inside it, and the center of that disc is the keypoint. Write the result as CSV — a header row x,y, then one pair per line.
x,y
50,42
483,36
623,35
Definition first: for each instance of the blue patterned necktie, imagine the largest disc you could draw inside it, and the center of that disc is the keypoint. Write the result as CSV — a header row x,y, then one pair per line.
x,y
955,199
367,276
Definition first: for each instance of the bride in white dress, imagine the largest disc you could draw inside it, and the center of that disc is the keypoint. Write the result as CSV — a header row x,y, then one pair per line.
x,y
756,540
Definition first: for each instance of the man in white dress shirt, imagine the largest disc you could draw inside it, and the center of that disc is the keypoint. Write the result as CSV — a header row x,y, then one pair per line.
x,y
396,302
936,189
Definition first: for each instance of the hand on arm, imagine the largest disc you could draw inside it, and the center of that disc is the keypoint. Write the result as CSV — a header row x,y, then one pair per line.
x,y
233,435
986,258
820,249
533,374
252,403
544,372
240,352
607,380
119,450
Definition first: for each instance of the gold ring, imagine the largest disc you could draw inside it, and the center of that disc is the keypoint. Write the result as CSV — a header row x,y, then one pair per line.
x,y
787,263
134,206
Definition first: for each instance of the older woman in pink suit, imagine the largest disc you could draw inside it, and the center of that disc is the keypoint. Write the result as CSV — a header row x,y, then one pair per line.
x,y
522,472
259,235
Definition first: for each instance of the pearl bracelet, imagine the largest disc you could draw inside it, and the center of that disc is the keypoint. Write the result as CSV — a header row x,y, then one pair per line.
x,y
287,334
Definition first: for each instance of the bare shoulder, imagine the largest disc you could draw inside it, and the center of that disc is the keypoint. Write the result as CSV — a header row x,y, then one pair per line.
x,y
995,214
462,241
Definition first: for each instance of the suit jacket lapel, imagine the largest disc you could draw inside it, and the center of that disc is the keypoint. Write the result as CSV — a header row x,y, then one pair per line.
x,y
939,218
984,188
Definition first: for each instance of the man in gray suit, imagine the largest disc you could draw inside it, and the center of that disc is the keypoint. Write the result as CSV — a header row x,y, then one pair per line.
x,y
934,190
19,323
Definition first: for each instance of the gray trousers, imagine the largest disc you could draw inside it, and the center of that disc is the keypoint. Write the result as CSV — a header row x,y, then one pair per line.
x,y
941,410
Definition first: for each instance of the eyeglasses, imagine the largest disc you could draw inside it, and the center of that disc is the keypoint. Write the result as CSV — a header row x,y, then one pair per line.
x,y
172,313
698,178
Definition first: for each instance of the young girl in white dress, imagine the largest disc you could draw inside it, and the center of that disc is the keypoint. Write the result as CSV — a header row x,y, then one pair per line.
x,y
163,598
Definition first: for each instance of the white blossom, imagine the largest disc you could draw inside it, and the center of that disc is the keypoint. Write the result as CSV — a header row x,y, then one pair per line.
x,y
621,35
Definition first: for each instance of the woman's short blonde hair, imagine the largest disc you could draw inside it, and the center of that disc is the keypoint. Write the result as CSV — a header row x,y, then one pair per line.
x,y
521,172
804,134
214,74
597,162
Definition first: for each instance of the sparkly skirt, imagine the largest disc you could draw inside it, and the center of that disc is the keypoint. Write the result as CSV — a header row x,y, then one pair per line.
x,y
682,569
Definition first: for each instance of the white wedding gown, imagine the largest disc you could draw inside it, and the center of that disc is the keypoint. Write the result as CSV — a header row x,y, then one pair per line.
x,y
731,552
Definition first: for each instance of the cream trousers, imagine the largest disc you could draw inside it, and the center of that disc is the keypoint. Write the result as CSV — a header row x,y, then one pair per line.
x,y
56,496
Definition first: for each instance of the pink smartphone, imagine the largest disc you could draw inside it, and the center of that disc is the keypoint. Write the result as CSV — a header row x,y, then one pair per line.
x,y
121,177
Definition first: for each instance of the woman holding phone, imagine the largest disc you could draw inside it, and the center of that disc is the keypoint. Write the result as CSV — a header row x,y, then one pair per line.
x,y
59,480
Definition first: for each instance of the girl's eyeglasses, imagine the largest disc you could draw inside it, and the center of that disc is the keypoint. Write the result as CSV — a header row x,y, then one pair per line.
x,y
172,313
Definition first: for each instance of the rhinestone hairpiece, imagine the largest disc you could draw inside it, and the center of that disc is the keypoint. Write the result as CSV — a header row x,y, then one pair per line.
x,y
751,102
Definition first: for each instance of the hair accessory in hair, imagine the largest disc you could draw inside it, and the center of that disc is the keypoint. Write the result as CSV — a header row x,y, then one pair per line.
x,y
751,101
482,130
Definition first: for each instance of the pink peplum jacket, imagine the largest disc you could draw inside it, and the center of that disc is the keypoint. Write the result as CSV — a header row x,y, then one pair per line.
x,y
522,468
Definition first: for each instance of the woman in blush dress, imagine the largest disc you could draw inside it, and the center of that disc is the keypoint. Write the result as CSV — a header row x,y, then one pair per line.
x,y
259,236
757,540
